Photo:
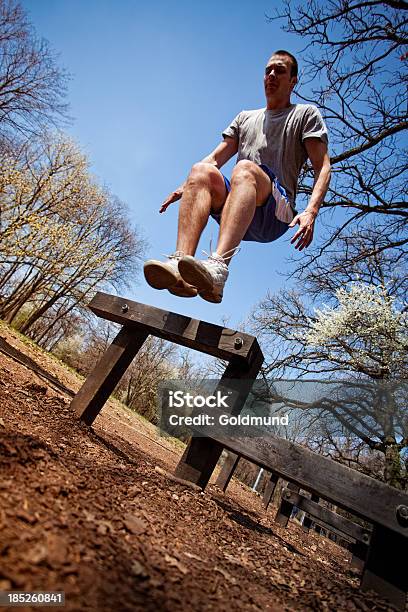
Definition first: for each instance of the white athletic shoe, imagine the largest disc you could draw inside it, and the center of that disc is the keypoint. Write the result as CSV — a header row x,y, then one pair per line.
x,y
209,275
165,275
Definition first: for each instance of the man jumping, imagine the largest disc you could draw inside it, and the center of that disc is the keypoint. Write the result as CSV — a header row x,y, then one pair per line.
x,y
258,203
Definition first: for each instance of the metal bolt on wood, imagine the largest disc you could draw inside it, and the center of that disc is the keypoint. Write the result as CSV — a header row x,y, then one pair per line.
x,y
238,343
402,514
125,308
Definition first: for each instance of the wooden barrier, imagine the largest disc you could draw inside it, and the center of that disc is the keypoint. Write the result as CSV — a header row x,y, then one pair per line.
x,y
139,321
321,521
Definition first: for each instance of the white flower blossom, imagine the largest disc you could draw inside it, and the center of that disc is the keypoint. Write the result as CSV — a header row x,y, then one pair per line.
x,y
367,324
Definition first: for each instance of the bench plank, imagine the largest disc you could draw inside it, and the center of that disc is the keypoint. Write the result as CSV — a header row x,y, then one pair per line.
x,y
369,499
209,338
328,517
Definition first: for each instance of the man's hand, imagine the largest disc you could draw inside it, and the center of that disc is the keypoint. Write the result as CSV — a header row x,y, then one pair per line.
x,y
304,235
173,197
318,155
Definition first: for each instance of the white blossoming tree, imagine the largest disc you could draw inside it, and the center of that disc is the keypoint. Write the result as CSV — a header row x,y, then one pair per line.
x,y
357,346
365,332
369,334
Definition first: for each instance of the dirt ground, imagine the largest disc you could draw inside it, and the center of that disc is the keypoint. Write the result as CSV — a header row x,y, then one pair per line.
x,y
86,511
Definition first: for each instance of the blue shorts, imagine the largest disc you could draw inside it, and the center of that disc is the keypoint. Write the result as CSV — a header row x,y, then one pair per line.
x,y
265,226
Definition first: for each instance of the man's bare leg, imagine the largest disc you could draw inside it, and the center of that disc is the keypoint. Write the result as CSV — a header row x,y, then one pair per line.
x,y
250,187
204,192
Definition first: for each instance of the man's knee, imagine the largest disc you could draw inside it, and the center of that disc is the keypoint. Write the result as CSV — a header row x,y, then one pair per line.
x,y
244,170
202,173
207,175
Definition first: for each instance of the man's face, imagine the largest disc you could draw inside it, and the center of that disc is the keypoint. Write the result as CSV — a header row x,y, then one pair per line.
x,y
278,82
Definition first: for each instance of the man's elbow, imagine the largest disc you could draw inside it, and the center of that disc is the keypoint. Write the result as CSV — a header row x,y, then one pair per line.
x,y
210,159
325,170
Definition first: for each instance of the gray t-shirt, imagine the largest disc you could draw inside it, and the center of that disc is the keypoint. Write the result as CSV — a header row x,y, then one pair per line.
x,y
276,138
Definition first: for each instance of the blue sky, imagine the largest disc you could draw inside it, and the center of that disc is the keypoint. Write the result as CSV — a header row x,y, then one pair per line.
x,y
153,86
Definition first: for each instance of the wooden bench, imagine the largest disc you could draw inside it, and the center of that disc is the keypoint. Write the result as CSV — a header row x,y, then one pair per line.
x,y
353,535
240,350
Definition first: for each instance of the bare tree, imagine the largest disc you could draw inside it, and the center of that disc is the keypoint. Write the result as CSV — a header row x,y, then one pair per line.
x,y
62,236
360,254
32,86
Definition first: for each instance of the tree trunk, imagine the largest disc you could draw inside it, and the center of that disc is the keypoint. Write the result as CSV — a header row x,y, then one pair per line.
x,y
18,300
38,313
392,468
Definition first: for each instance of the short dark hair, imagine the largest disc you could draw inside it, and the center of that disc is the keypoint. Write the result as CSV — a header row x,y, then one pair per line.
x,y
295,68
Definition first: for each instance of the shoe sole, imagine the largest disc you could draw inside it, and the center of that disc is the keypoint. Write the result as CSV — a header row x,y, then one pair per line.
x,y
211,297
181,289
158,275
194,273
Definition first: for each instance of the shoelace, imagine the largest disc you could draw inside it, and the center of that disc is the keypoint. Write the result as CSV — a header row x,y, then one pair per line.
x,y
213,256
225,256
175,255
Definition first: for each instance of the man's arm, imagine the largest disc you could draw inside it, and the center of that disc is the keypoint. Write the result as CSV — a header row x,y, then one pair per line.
x,y
318,155
221,154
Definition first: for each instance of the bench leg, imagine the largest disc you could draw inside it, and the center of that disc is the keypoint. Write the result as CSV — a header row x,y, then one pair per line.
x,y
359,551
270,489
285,509
198,461
201,455
227,470
103,379
308,522
385,569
